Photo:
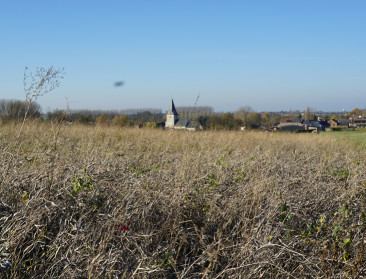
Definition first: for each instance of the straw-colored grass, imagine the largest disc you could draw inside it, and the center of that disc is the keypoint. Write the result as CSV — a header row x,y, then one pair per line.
x,y
102,202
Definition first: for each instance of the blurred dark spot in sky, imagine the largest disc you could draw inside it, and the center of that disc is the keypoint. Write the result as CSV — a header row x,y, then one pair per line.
x,y
119,83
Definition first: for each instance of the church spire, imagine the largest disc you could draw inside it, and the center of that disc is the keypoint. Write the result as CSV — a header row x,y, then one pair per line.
x,y
172,109
172,116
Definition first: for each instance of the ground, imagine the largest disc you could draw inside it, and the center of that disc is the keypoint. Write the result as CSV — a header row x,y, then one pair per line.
x,y
101,202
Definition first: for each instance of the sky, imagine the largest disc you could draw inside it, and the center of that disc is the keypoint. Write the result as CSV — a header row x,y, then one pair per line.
x,y
270,55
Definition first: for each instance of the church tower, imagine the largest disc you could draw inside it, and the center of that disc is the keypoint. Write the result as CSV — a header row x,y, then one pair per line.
x,y
171,116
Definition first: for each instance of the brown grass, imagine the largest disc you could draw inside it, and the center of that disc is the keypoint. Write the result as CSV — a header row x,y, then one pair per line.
x,y
201,205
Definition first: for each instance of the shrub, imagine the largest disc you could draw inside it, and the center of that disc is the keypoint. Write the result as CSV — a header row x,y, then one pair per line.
x,y
121,121
101,119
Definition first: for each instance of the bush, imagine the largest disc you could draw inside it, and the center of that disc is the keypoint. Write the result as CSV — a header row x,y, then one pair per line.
x,y
101,120
121,121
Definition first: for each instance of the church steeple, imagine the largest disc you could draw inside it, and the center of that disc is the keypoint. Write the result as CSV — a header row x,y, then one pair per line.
x,y
172,109
171,116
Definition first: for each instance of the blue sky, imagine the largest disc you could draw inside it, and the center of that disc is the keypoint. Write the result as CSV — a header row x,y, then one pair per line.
x,y
271,55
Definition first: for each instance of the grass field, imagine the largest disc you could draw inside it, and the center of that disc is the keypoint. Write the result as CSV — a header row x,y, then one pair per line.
x,y
351,137
101,202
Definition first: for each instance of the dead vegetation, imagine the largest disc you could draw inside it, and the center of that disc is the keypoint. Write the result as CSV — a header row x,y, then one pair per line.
x,y
99,202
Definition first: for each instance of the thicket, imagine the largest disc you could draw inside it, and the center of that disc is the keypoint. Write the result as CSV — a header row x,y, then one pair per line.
x,y
101,202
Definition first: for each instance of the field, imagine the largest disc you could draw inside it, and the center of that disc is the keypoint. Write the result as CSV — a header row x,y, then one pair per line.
x,y
354,138
101,202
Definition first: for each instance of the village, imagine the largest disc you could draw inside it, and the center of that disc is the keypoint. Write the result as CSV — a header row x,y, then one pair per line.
x,y
297,124
194,118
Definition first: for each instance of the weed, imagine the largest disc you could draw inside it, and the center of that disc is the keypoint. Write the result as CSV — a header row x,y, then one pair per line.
x,y
81,183
212,180
257,213
138,171
342,173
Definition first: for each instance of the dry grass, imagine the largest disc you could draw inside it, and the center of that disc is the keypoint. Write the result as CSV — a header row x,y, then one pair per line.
x,y
197,205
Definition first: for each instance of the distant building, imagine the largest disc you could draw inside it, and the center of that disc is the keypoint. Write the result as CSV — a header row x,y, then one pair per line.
x,y
341,123
173,122
358,122
344,123
172,116
303,125
333,123
318,125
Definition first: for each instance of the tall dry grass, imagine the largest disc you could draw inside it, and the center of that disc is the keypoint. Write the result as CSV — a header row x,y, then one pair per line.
x,y
102,202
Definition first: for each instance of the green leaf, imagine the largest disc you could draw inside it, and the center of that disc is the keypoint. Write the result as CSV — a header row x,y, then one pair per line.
x,y
347,242
284,207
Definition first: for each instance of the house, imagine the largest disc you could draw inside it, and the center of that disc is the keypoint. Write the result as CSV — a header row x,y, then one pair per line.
x,y
192,126
341,123
358,122
303,125
344,123
333,123
320,125
173,121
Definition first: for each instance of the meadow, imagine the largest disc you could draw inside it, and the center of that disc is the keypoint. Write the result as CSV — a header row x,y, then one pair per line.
x,y
357,138
103,202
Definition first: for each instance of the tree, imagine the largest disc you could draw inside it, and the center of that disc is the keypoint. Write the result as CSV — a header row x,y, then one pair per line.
x,y
121,120
238,123
242,113
202,119
58,115
101,119
214,121
354,112
309,114
228,120
334,116
253,119
267,120
146,116
86,119
151,125
15,109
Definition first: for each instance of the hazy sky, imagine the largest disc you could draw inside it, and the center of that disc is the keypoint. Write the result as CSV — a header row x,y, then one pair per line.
x,y
271,55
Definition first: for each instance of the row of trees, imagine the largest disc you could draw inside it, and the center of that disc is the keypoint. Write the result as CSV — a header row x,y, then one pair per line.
x,y
15,110
106,117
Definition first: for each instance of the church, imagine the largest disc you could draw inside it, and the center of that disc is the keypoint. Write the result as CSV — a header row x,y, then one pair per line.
x,y
173,122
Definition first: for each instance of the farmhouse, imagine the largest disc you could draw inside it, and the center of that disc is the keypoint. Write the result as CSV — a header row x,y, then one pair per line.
x,y
173,122
341,123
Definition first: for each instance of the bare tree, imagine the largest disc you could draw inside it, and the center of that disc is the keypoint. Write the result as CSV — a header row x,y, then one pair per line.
x,y
242,113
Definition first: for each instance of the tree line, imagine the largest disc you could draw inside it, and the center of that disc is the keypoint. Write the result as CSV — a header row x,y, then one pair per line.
x,y
15,110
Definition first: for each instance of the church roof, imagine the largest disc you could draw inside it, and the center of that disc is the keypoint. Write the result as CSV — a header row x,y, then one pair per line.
x,y
172,109
182,123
